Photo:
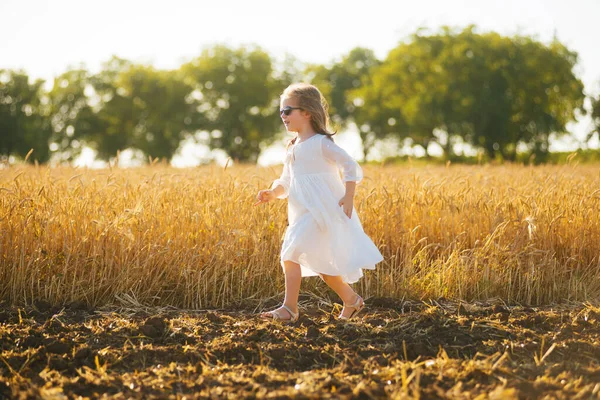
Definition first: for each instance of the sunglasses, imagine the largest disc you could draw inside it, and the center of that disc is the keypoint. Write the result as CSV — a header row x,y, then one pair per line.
x,y
288,110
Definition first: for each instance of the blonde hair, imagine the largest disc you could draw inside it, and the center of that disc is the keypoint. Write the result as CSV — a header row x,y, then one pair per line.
x,y
310,99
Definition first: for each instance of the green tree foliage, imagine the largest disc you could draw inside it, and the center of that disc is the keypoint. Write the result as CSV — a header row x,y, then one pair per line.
x,y
491,91
595,117
141,108
115,111
496,93
238,99
374,117
403,98
73,119
288,70
24,124
522,91
336,82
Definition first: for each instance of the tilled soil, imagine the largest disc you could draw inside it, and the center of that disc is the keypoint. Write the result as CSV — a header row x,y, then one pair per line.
x,y
439,349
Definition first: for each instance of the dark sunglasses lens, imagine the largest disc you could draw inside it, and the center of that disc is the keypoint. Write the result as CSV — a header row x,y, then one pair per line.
x,y
287,111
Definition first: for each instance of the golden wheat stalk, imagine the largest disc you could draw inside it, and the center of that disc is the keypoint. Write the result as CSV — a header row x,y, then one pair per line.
x,y
191,238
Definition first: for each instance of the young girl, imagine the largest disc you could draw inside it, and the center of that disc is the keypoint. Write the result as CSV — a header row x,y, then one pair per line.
x,y
324,236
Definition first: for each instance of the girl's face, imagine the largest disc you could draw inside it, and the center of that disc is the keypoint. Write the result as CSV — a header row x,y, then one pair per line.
x,y
294,118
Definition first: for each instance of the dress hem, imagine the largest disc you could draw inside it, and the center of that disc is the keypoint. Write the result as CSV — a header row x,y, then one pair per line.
x,y
370,267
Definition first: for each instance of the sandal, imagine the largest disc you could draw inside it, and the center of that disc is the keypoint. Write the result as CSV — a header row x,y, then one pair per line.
x,y
275,314
357,306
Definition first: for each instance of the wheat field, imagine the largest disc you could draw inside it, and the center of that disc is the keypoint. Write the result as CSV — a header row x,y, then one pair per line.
x,y
192,238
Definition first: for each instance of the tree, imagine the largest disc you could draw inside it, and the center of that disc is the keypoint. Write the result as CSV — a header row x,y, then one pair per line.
x,y
288,70
375,118
494,92
115,113
477,102
237,96
402,97
337,82
162,113
595,117
528,92
24,124
141,108
73,119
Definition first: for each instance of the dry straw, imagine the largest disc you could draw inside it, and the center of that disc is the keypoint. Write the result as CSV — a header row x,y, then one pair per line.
x,y
190,238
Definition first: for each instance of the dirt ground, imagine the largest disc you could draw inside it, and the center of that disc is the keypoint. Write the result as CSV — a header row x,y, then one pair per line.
x,y
398,349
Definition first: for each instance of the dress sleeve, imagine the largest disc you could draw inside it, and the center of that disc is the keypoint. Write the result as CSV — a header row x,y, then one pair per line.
x,y
284,179
334,153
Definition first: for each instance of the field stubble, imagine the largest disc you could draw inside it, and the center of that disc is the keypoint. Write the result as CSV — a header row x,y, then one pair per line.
x,y
398,349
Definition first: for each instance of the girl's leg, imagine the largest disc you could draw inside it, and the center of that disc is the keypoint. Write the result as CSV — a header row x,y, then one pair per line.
x,y
346,293
293,278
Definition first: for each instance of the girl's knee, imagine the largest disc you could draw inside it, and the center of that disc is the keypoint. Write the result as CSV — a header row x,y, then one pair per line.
x,y
288,263
290,266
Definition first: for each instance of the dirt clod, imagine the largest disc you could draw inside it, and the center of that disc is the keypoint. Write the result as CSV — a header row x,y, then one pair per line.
x,y
58,347
312,332
33,341
42,306
154,327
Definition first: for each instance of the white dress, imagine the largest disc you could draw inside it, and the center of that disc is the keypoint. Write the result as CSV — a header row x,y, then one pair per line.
x,y
320,237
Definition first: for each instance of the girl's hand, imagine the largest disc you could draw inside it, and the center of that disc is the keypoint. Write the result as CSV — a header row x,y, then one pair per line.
x,y
264,196
348,204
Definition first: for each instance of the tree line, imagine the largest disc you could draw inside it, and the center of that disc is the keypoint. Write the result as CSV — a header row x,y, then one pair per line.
x,y
501,95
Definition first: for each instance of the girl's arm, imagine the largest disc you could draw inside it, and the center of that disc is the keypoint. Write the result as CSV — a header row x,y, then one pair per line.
x,y
351,171
347,202
280,188
264,196
350,189
279,191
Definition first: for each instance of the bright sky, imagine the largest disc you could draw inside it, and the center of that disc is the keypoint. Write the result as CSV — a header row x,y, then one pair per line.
x,y
46,37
